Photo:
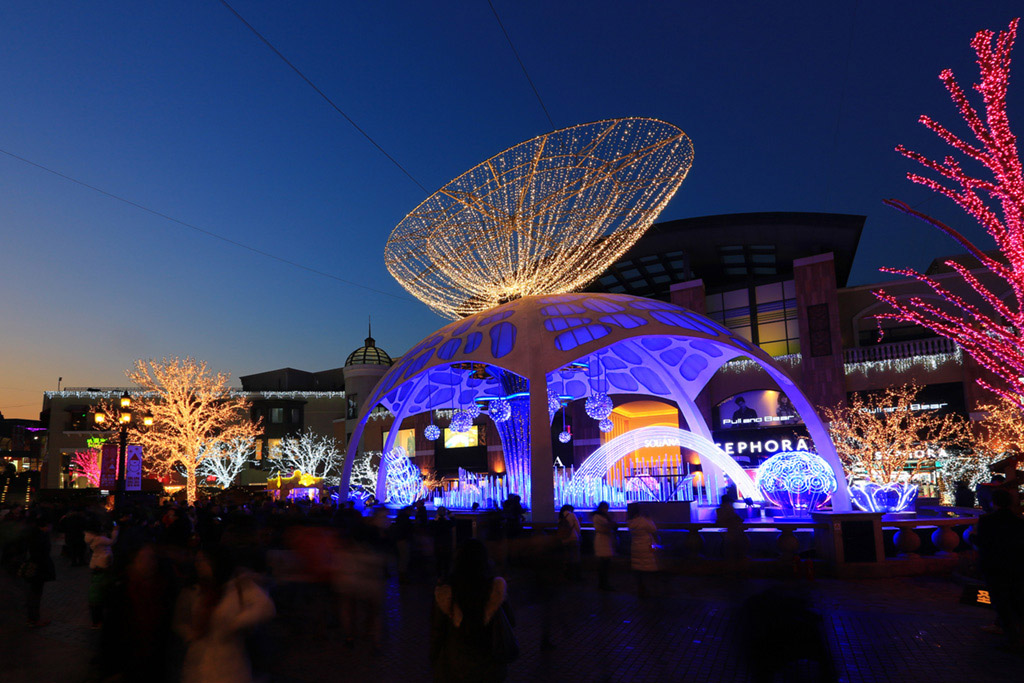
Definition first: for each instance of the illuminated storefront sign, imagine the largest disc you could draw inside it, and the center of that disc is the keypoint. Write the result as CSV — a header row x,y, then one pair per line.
x,y
755,410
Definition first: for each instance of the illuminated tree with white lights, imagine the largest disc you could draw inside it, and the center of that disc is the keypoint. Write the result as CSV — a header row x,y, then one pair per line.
x,y
311,454
991,330
193,413
882,436
225,460
363,480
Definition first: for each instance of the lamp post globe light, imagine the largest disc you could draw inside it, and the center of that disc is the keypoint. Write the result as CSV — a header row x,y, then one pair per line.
x,y
124,419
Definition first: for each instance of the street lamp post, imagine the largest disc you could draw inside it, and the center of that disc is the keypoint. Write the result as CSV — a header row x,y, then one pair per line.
x,y
124,419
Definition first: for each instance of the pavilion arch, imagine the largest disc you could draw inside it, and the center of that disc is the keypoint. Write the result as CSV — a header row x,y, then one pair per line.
x,y
636,345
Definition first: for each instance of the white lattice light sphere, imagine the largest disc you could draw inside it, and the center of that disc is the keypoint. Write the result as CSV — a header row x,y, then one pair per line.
x,y
432,432
554,403
500,410
565,437
605,425
599,406
796,480
473,409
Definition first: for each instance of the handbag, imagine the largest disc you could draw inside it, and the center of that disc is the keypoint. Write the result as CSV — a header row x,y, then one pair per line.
x,y
504,645
28,570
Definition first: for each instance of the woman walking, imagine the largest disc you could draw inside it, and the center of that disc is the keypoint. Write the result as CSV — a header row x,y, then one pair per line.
x,y
471,638
642,541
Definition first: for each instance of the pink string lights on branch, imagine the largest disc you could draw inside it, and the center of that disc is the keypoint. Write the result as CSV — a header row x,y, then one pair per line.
x,y
988,328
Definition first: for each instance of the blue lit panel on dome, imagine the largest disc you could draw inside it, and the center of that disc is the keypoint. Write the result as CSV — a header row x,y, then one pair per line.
x,y
673,356
503,339
467,396
570,339
576,388
622,381
624,320
418,364
610,362
495,317
650,379
602,306
472,342
655,343
426,343
678,319
449,348
559,324
462,327
706,347
692,367
563,309
651,305
627,354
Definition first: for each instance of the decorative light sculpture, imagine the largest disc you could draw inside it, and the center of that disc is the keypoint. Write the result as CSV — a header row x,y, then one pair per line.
x,y
431,432
473,410
605,425
403,481
544,217
599,406
796,480
500,410
564,436
893,497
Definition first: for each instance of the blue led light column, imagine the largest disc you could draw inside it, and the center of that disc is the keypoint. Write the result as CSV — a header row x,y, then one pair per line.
x,y
542,484
514,433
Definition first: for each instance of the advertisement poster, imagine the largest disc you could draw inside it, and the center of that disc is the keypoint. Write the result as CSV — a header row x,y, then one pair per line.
x,y
756,409
133,468
108,466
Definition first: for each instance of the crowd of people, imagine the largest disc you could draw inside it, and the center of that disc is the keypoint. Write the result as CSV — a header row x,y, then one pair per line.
x,y
180,592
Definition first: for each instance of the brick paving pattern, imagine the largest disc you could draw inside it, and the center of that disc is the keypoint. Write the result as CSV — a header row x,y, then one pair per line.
x,y
900,630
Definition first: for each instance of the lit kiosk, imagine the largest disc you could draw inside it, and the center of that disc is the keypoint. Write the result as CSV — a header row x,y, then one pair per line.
x,y
124,419
499,249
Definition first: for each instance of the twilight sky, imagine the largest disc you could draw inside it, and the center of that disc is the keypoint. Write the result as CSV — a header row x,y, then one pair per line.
x,y
177,106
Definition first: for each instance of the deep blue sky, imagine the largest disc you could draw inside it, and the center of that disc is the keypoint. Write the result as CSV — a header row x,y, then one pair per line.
x,y
792,106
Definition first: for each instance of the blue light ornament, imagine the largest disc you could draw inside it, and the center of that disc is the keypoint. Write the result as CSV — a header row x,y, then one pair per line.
x,y
500,410
599,406
431,432
798,481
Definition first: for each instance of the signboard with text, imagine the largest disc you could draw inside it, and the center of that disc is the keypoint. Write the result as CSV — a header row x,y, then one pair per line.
x,y
108,466
756,410
133,468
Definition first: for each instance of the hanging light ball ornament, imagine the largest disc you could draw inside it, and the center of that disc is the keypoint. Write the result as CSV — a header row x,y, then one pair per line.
x,y
431,431
500,410
565,437
554,403
599,406
798,481
461,422
544,217
605,425
473,409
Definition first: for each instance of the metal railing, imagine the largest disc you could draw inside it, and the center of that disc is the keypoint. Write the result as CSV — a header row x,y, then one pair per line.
x,y
934,346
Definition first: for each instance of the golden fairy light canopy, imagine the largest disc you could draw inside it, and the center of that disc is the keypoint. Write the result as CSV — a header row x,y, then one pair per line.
x,y
544,217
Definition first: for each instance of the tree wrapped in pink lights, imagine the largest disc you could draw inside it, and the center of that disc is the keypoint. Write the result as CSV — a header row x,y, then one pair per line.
x,y
87,464
990,330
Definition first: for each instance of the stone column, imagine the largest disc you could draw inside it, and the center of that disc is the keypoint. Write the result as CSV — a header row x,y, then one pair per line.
x,y
821,346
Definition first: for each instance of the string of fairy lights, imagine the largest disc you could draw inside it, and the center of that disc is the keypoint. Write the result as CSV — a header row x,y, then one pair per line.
x,y
543,217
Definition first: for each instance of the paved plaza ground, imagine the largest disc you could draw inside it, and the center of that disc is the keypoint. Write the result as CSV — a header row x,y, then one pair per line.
x,y
900,630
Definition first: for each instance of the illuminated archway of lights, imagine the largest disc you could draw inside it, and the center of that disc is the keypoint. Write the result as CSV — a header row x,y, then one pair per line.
x,y
601,460
544,217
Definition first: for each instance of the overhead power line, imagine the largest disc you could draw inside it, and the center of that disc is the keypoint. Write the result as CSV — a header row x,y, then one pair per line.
x,y
521,65
322,94
191,226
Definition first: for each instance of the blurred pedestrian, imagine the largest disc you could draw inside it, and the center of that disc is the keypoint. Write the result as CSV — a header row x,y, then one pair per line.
x,y
444,544
643,539
214,618
604,543
471,637
100,575
569,537
1000,541
37,568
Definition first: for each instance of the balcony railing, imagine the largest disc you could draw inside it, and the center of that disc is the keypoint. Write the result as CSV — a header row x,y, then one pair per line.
x,y
935,346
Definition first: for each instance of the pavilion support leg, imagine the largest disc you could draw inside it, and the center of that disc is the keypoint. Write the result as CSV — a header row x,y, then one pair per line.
x,y
542,504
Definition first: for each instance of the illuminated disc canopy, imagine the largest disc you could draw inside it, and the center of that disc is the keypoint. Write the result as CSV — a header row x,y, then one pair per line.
x,y
544,217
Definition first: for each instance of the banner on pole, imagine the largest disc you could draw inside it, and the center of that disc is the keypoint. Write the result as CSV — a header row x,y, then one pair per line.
x,y
108,466
133,468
